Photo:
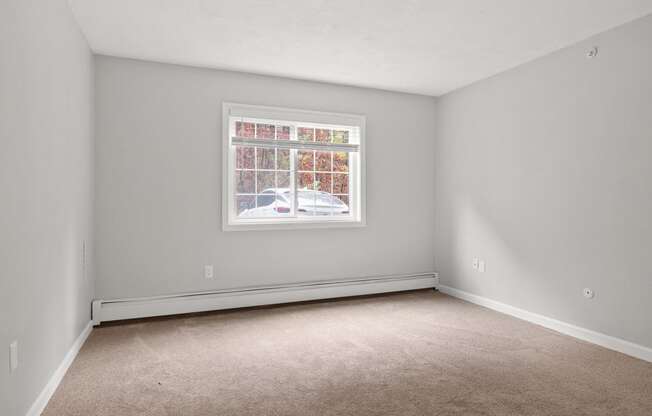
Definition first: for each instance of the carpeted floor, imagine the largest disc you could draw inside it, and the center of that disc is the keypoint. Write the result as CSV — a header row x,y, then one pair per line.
x,y
415,353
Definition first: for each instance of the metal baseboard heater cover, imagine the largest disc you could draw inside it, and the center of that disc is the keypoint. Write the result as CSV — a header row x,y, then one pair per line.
x,y
131,308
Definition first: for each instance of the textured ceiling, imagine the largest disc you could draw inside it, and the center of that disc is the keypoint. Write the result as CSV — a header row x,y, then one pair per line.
x,y
420,46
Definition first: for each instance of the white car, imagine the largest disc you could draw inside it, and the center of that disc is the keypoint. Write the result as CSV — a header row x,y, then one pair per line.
x,y
274,202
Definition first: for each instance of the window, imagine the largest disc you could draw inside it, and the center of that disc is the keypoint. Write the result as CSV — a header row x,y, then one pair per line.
x,y
291,168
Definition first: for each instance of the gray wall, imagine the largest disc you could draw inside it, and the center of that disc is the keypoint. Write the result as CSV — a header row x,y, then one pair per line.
x,y
46,155
158,153
544,171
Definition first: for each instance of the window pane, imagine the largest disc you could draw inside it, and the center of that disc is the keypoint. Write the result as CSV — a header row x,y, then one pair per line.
x,y
324,182
323,161
283,204
265,180
265,158
340,183
265,131
245,182
245,202
306,134
283,132
245,129
340,136
343,198
306,203
340,161
323,135
305,180
265,200
283,179
283,159
305,160
244,157
332,205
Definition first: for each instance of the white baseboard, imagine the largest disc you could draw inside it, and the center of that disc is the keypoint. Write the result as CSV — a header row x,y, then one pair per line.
x,y
118,309
42,400
603,340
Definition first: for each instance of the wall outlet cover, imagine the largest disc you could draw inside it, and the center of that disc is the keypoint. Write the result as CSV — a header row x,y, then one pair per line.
x,y
208,271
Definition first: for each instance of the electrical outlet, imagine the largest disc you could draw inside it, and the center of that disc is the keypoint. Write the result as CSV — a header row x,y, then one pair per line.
x,y
208,271
592,53
481,266
476,263
13,356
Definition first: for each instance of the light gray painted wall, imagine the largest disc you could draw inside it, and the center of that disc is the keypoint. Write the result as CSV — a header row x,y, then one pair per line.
x,y
46,171
544,171
159,176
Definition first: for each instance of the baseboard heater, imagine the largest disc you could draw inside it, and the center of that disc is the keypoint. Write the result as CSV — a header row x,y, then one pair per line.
x,y
130,308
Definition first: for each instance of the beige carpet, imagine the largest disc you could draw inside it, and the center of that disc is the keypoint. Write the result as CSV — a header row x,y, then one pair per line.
x,y
416,353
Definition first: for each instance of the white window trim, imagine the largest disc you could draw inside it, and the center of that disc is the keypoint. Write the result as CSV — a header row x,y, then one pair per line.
x,y
255,111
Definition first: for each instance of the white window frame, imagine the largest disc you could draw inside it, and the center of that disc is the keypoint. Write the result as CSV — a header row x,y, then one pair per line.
x,y
357,190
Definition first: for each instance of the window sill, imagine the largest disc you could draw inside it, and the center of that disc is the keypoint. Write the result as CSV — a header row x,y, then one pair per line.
x,y
265,225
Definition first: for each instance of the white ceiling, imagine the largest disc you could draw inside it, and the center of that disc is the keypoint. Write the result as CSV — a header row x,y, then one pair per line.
x,y
421,46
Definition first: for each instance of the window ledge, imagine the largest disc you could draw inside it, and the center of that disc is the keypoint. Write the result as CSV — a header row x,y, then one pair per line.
x,y
264,225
